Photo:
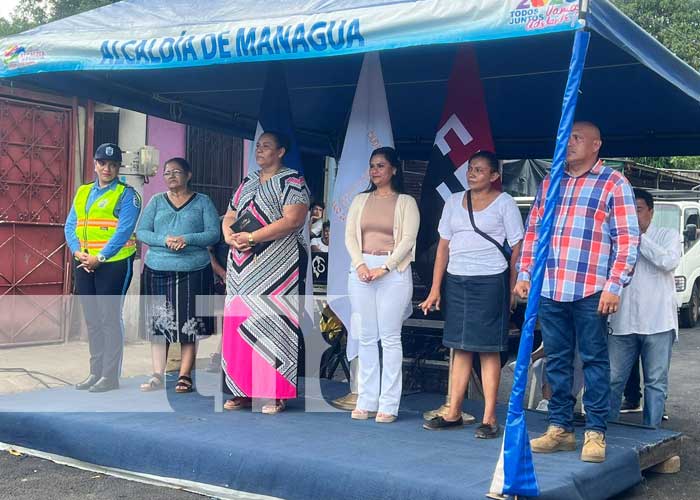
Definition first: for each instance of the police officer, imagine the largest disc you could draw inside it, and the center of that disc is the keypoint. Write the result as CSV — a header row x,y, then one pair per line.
x,y
100,233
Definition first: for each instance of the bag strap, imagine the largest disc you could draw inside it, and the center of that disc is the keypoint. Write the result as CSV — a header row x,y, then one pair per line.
x,y
478,231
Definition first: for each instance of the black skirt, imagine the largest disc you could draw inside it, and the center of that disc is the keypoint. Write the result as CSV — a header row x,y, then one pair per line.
x,y
170,305
477,312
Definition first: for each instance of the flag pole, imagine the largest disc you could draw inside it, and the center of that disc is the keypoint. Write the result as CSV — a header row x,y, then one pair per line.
x,y
518,474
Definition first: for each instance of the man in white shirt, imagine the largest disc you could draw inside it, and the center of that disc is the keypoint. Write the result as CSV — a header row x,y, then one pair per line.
x,y
316,211
321,244
646,323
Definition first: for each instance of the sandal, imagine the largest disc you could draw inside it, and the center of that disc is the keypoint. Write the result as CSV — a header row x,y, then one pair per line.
x,y
274,408
385,418
184,384
155,383
238,404
359,414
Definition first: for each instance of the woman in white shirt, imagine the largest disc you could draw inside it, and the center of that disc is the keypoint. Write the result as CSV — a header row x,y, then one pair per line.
x,y
380,236
477,288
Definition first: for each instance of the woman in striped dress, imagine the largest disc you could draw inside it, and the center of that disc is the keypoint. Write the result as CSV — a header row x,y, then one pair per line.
x,y
261,323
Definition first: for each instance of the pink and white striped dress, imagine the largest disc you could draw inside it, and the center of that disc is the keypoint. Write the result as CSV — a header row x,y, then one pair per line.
x,y
261,322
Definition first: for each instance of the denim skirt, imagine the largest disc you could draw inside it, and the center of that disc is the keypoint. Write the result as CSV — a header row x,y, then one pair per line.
x,y
477,312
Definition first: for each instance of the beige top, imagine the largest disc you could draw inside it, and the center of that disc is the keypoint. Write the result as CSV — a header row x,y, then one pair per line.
x,y
405,231
377,224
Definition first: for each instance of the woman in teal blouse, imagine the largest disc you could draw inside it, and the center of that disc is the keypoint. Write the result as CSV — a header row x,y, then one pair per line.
x,y
178,226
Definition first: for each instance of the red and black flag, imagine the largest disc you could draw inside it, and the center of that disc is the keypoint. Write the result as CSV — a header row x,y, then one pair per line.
x,y
464,130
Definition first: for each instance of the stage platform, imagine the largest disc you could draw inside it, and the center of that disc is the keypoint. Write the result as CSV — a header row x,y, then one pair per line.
x,y
305,454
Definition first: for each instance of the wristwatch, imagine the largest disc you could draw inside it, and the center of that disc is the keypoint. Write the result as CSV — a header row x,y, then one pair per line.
x,y
251,240
101,258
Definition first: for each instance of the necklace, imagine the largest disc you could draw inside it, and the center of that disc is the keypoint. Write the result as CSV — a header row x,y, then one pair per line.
x,y
375,194
266,176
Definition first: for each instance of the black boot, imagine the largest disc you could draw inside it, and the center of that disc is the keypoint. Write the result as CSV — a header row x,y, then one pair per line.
x,y
105,384
87,383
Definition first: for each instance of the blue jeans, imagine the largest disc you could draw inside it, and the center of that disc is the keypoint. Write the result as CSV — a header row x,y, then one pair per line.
x,y
566,325
655,351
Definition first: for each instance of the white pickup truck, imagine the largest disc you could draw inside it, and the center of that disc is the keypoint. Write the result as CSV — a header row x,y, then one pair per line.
x,y
679,211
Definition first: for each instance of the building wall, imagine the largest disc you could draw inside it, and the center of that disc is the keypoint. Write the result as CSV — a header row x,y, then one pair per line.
x,y
168,138
132,129
137,130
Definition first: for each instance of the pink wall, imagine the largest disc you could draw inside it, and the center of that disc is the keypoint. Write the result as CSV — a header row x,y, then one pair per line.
x,y
169,139
247,145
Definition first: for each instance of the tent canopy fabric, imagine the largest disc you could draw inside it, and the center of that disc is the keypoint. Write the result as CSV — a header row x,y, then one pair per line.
x,y
645,100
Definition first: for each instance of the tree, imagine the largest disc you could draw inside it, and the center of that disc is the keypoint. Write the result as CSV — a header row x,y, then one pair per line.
x,y
676,24
31,13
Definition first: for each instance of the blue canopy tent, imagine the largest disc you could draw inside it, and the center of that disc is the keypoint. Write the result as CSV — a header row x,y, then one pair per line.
x,y
655,96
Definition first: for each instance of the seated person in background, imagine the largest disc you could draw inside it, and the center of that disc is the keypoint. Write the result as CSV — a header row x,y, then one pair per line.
x,y
632,402
321,244
317,211
646,323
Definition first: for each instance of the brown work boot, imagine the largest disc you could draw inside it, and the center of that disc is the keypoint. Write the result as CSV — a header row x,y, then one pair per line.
x,y
593,447
347,402
555,439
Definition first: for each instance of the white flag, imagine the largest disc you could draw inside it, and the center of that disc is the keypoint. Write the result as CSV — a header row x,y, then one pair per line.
x,y
369,128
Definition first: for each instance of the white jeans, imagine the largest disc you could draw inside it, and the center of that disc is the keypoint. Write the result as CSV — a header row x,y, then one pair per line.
x,y
379,309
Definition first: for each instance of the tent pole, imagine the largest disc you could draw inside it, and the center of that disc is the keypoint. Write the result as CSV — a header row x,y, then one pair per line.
x,y
518,475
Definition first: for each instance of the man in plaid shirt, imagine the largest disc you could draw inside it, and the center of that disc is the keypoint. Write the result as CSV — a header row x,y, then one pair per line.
x,y
591,258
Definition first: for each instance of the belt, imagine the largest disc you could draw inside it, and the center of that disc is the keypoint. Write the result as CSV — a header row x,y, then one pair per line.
x,y
384,253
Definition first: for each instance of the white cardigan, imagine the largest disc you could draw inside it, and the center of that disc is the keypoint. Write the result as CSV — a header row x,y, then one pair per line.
x,y
406,222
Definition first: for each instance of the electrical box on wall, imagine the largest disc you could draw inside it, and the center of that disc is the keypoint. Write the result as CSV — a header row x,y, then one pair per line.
x,y
143,162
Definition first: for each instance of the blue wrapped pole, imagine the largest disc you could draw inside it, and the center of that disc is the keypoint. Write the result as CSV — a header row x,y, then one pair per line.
x,y
518,469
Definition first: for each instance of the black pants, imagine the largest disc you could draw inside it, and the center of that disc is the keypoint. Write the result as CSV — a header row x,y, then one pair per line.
x,y
633,390
101,296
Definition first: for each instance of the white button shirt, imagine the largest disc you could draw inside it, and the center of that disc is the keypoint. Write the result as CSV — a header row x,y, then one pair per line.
x,y
648,304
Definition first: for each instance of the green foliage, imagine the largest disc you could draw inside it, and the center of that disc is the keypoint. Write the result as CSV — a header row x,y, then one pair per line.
x,y
31,13
675,23
672,162
66,8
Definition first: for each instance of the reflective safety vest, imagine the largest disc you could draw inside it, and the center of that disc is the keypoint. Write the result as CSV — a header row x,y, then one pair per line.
x,y
96,226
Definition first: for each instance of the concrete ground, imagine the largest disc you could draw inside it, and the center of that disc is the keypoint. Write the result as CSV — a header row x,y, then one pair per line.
x,y
69,363
29,478
32,478
683,408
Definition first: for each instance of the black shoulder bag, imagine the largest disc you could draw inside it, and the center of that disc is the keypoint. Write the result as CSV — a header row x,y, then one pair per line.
x,y
478,231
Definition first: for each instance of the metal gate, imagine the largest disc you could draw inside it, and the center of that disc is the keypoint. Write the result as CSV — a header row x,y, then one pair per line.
x,y
35,155
217,164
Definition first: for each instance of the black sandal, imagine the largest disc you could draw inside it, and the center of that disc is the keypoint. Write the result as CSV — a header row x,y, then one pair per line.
x,y
487,431
184,384
155,383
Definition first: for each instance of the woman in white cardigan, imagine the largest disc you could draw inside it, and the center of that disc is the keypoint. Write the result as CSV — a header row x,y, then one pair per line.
x,y
380,236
